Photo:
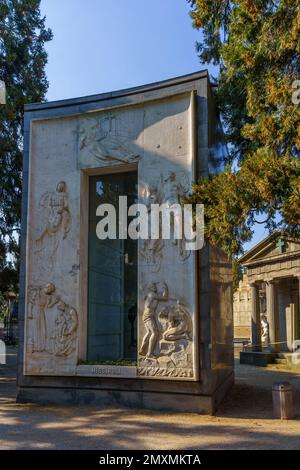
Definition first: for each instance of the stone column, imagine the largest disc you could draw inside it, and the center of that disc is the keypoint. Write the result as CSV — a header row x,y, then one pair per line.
x,y
270,294
255,318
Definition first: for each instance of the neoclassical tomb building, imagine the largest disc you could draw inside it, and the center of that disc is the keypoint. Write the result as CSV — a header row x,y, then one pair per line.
x,y
242,307
270,295
121,321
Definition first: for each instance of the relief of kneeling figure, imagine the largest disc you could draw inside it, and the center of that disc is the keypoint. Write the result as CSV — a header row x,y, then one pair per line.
x,y
179,323
52,324
176,335
66,324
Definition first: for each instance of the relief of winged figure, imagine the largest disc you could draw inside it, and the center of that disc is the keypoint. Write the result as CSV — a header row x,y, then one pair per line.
x,y
107,140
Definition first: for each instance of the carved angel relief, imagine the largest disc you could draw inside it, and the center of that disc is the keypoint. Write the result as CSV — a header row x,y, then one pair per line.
x,y
166,348
52,323
175,187
56,222
107,138
152,250
169,191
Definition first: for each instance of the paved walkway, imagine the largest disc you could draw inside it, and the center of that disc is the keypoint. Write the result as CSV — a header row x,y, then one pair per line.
x,y
244,421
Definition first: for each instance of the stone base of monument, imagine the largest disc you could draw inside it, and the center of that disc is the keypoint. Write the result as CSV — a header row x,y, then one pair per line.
x,y
185,401
257,358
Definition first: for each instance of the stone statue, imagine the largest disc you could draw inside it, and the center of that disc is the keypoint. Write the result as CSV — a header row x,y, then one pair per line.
x,y
152,298
265,330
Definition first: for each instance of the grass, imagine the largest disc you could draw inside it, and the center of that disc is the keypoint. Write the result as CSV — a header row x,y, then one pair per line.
x,y
118,362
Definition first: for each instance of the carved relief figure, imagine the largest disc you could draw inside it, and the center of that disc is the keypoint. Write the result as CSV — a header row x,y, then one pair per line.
x,y
177,335
66,324
173,191
107,139
52,323
152,298
39,300
152,250
169,191
179,323
56,225
169,336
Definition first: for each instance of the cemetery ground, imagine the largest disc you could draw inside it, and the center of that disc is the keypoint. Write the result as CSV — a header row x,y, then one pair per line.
x,y
243,421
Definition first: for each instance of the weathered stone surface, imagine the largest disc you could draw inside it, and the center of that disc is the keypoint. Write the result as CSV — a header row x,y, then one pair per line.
x,y
60,150
242,309
165,133
106,371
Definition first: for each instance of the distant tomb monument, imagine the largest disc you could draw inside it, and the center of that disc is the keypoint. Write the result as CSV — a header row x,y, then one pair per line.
x,y
269,312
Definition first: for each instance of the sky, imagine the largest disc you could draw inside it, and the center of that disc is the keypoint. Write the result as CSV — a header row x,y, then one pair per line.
x,y
102,45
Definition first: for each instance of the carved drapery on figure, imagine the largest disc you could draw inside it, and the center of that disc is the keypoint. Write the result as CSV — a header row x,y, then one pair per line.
x,y
107,139
166,348
56,222
66,323
169,191
152,250
174,189
52,323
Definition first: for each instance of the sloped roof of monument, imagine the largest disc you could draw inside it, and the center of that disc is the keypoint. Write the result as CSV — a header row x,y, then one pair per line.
x,y
201,74
261,248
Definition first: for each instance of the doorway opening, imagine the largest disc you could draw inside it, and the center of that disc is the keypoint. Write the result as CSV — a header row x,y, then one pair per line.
x,y
112,277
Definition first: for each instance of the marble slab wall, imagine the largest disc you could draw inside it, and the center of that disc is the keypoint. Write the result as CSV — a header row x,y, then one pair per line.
x,y
157,138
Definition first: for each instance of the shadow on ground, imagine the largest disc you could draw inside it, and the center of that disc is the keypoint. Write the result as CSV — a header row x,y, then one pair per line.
x,y
244,421
251,396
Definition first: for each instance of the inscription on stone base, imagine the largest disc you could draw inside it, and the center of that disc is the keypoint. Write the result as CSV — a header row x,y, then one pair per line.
x,y
157,372
106,371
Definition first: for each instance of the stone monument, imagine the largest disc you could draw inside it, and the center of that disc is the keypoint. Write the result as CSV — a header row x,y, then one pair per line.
x,y
145,323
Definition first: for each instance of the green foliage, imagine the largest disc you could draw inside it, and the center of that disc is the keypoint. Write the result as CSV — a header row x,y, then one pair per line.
x,y
22,68
4,310
117,362
256,43
237,274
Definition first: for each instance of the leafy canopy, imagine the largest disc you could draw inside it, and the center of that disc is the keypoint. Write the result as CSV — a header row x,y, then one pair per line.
x,y
22,68
256,43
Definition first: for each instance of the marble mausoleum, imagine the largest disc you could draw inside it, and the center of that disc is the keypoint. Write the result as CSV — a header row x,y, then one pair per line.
x,y
142,323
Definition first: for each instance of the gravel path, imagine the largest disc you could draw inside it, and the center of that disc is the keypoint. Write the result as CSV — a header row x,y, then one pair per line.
x,y
244,421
